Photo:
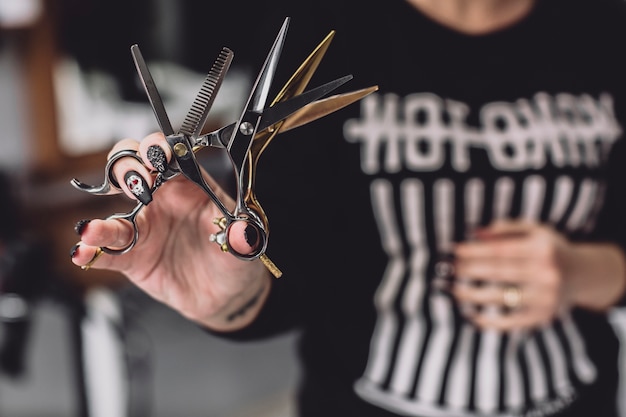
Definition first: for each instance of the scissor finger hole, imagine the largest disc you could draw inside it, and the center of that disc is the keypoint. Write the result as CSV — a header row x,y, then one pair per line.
x,y
245,239
135,178
114,158
120,236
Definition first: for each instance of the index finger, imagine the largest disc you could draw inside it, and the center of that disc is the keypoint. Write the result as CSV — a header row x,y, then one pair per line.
x,y
512,247
107,233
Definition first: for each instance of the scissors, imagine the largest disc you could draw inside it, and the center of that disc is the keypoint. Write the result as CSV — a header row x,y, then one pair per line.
x,y
243,140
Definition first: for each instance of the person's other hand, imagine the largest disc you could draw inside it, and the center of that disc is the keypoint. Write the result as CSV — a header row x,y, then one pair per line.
x,y
511,275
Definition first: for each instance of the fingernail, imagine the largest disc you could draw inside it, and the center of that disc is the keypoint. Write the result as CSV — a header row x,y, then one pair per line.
x,y
251,235
138,186
156,156
80,225
74,250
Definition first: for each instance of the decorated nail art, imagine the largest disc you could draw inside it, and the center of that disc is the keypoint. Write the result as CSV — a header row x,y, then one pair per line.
x,y
156,156
138,186
80,225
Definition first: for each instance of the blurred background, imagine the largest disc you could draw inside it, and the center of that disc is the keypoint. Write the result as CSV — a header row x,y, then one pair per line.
x,y
87,344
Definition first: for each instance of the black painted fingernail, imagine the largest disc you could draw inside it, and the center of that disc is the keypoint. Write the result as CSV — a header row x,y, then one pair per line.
x,y
74,250
251,235
80,225
156,156
138,186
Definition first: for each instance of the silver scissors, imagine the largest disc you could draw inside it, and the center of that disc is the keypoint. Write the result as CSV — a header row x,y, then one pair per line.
x,y
243,140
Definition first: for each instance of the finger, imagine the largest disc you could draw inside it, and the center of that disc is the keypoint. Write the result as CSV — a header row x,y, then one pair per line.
x,y
522,319
509,297
528,296
487,294
517,247
85,256
505,228
133,177
107,233
124,144
244,237
156,152
495,271
541,299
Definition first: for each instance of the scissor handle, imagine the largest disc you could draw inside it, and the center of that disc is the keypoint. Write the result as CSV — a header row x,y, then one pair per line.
x,y
260,226
110,186
252,219
131,217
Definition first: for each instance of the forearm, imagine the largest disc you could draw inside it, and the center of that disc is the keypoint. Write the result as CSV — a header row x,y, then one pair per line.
x,y
595,275
241,310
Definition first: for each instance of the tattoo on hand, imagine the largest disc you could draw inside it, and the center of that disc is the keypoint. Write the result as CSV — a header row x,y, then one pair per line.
x,y
248,305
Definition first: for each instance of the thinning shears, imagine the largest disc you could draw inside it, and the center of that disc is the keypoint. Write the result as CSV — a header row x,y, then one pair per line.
x,y
243,140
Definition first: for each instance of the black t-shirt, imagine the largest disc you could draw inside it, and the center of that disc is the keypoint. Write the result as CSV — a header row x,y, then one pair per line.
x,y
525,122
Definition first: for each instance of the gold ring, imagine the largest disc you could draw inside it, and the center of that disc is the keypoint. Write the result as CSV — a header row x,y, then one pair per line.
x,y
93,260
512,296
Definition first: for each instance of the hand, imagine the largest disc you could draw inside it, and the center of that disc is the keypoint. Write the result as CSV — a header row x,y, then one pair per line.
x,y
174,260
515,275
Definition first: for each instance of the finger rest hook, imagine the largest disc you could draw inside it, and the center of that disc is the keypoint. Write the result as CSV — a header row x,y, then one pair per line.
x,y
131,217
110,186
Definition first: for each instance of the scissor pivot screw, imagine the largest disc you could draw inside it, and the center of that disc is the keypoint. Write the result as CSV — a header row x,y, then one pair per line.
x,y
246,128
180,149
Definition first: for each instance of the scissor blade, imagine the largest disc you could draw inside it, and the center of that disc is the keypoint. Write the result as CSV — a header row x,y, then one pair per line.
x,y
300,79
309,113
223,137
296,84
239,144
153,93
283,109
262,85
323,107
196,118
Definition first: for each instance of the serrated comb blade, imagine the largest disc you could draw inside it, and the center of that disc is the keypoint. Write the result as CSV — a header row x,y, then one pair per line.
x,y
196,117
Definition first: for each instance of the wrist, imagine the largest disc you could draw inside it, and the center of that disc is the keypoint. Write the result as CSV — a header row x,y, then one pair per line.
x,y
243,308
595,275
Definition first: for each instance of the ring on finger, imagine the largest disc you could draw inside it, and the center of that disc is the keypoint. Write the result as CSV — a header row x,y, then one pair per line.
x,y
93,260
512,296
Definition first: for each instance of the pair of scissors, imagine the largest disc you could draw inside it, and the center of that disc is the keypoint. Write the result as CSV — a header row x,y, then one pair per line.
x,y
243,140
